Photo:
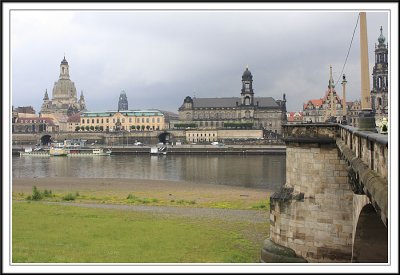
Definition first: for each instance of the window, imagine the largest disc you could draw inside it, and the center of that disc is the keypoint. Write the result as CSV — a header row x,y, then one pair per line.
x,y
153,120
113,120
147,120
142,119
123,120
92,120
83,121
107,121
130,120
102,121
97,120
158,120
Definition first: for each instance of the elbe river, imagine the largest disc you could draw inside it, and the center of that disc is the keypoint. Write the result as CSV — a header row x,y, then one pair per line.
x,y
255,171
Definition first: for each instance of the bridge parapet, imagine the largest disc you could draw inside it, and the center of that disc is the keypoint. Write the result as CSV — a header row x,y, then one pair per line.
x,y
371,148
366,155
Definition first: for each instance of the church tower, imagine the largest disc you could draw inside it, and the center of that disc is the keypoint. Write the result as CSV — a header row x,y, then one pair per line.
x,y
64,69
123,102
82,104
379,94
247,94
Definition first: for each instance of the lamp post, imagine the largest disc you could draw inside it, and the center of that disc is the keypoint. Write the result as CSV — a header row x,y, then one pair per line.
x,y
366,116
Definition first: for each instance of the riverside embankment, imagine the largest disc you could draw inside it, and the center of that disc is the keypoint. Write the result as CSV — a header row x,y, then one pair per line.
x,y
194,149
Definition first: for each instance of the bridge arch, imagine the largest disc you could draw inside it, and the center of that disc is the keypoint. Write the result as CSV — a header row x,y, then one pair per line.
x,y
44,140
165,137
370,242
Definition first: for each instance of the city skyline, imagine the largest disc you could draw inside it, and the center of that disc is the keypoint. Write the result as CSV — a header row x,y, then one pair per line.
x,y
160,57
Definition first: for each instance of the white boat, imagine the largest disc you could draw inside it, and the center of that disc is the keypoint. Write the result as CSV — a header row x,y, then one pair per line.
x,y
34,153
89,153
158,150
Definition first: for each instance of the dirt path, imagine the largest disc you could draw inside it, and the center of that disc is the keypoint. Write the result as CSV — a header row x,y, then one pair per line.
x,y
256,216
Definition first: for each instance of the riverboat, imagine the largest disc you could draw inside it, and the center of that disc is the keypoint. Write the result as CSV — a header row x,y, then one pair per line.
x,y
37,152
58,151
89,152
158,150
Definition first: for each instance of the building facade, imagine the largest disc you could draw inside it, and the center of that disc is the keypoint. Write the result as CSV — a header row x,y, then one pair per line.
x,y
322,110
380,80
112,121
123,102
246,110
64,97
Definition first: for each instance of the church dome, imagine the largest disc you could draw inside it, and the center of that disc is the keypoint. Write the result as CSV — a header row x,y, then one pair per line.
x,y
247,75
64,61
188,99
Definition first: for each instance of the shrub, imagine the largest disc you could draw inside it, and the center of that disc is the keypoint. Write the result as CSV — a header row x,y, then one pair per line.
x,y
69,197
47,193
131,197
36,195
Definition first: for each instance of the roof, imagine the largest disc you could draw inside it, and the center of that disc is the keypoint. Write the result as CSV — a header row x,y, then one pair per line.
x,y
226,102
74,118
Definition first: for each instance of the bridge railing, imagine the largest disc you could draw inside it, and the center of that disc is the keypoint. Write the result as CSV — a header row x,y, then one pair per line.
x,y
371,148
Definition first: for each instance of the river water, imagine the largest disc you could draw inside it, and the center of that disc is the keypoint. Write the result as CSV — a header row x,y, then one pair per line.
x,y
260,171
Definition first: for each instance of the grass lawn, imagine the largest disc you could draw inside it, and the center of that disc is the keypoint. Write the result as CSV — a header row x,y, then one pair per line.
x,y
44,233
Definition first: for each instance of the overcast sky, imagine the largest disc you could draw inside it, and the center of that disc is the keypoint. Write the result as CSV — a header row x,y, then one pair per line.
x,y
160,57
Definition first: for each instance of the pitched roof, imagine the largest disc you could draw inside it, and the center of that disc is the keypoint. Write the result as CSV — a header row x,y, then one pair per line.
x,y
74,118
226,102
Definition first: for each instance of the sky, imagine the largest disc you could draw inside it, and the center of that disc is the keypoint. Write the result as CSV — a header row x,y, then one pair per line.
x,y
158,57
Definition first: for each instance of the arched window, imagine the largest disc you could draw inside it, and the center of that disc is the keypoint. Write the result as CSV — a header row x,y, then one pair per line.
x,y
379,82
247,100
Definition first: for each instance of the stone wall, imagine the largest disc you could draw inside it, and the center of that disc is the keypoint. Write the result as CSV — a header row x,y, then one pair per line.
x,y
314,216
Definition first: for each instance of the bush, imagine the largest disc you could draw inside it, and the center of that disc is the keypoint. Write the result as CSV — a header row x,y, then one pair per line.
x,y
69,197
47,193
36,195
131,197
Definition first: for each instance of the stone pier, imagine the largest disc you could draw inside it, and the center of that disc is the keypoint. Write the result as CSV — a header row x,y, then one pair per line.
x,y
311,217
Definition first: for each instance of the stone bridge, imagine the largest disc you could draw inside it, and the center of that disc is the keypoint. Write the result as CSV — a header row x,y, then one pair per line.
x,y
334,205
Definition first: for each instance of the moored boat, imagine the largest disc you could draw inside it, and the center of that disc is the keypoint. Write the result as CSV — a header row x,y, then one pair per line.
x,y
57,151
89,152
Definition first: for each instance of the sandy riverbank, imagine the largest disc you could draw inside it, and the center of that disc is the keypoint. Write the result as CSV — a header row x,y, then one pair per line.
x,y
160,189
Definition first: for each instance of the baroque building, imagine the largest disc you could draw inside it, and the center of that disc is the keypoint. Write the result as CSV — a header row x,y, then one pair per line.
x,y
64,100
379,93
247,110
123,102
112,121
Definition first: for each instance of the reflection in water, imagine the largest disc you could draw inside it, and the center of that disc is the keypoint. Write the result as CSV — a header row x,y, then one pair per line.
x,y
250,171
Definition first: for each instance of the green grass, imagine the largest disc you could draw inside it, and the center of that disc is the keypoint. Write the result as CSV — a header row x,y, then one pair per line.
x,y
43,233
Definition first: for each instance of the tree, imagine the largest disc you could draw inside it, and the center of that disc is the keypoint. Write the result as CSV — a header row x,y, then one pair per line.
x,y
87,128
138,127
83,128
96,127
77,128
101,128
133,127
142,127
147,127
92,127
